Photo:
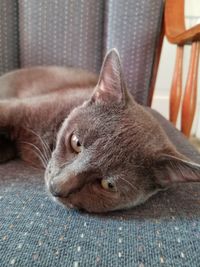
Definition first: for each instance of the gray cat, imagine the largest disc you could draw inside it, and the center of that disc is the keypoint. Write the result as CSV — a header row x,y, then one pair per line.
x,y
109,152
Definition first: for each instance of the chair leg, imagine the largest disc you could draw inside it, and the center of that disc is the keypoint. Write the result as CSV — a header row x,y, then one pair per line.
x,y
176,88
190,95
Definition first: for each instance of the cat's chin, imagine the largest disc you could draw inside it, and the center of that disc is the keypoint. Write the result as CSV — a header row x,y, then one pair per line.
x,y
64,202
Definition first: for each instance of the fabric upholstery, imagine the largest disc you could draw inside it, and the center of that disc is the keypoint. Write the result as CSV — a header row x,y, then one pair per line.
x,y
78,34
61,32
9,49
36,231
133,27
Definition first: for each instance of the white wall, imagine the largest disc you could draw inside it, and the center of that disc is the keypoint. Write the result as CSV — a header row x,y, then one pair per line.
x,y
166,68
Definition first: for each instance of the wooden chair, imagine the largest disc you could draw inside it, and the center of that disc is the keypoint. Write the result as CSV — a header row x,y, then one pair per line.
x,y
177,33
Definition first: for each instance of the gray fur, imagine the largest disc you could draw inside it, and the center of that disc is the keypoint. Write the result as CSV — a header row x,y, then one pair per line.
x,y
120,141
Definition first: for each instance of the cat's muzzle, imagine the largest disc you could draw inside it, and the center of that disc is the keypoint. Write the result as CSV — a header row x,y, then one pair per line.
x,y
54,191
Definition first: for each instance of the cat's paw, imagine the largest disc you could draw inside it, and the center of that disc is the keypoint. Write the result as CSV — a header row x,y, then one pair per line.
x,y
7,148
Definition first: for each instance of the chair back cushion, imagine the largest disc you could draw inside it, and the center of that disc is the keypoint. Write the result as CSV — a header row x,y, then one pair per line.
x,y
9,38
133,27
79,33
61,32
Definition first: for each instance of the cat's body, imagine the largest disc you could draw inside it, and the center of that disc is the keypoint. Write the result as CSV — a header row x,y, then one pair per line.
x,y
110,153
38,100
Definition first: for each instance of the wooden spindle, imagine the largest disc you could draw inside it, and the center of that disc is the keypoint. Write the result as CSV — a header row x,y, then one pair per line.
x,y
190,95
176,87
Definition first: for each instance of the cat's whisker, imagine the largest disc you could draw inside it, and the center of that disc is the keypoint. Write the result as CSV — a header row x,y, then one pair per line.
x,y
133,186
43,163
45,146
39,154
41,160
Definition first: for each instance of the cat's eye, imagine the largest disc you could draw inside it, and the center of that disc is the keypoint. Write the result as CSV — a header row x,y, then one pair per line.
x,y
75,143
108,185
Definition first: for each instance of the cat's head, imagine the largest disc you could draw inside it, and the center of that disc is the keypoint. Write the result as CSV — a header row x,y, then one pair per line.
x,y
111,153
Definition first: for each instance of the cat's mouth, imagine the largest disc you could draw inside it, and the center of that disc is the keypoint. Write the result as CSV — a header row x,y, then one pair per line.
x,y
66,202
64,197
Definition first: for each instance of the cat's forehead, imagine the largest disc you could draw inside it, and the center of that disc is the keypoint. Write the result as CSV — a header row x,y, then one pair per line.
x,y
90,115
112,125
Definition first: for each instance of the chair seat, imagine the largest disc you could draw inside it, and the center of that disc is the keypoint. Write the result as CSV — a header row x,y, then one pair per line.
x,y
36,231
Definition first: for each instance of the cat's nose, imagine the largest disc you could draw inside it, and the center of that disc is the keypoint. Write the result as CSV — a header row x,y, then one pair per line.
x,y
54,189
64,186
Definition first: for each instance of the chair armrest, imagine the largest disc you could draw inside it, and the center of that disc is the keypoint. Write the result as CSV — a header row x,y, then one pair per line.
x,y
175,30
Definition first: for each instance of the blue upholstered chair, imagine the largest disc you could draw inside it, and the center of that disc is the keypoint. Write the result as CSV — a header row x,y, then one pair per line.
x,y
35,231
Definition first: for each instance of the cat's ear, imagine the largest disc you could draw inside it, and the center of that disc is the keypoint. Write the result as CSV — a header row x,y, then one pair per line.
x,y
111,86
170,169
